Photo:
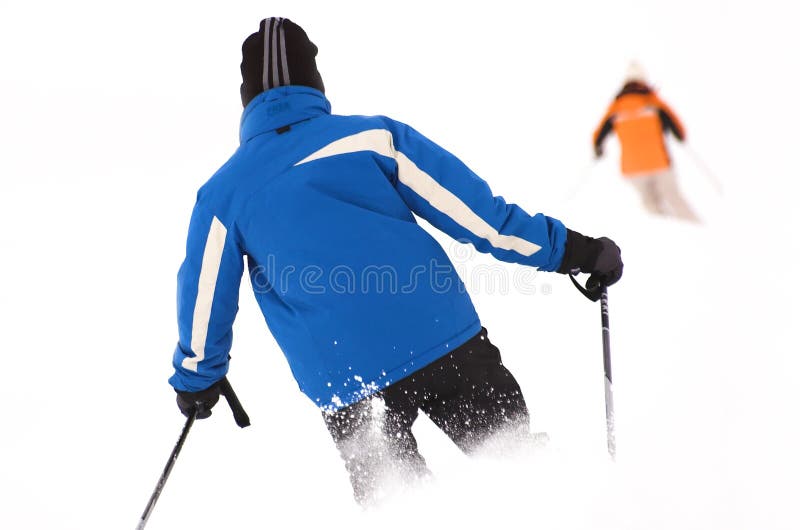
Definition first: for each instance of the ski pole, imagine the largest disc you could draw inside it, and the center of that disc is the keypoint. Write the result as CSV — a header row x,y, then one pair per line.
x,y
610,431
239,415
703,167
594,293
167,469
581,180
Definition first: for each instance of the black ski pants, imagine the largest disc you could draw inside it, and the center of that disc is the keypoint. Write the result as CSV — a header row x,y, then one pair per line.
x,y
467,393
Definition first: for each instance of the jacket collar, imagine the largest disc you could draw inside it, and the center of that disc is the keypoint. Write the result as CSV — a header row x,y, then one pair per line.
x,y
635,87
279,107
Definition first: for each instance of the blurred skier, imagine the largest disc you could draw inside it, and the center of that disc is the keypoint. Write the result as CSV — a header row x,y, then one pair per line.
x,y
640,119
320,205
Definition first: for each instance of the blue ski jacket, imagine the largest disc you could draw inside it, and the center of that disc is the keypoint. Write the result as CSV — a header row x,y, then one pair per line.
x,y
321,208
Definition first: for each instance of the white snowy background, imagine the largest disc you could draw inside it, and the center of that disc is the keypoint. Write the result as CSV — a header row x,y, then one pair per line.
x,y
112,115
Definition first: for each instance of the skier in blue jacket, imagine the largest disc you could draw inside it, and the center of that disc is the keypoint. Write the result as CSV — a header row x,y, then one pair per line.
x,y
366,306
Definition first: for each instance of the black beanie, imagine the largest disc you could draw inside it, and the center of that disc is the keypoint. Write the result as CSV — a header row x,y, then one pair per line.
x,y
289,59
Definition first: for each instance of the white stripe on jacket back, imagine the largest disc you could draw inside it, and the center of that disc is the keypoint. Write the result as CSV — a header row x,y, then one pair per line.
x,y
380,141
206,284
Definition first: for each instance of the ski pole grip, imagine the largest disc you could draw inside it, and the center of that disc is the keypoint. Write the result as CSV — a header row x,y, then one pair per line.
x,y
239,414
593,290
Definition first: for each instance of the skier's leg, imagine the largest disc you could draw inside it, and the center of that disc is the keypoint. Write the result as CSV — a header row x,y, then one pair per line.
x,y
651,199
349,427
401,409
376,444
667,186
473,397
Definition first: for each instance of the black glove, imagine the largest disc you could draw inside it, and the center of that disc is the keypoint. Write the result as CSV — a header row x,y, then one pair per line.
x,y
202,401
599,257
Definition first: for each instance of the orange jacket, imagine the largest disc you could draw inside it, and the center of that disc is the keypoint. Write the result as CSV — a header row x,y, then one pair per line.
x,y
639,118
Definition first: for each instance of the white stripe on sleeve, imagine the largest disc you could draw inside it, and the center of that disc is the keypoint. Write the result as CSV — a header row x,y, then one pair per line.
x,y
449,204
212,258
380,141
